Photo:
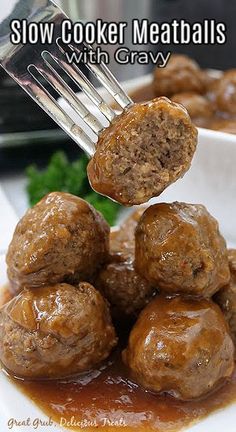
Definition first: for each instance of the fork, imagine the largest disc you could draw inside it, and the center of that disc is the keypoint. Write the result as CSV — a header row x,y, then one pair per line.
x,y
28,64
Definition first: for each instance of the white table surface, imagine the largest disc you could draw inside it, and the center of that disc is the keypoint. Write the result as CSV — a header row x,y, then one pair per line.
x,y
14,187
8,221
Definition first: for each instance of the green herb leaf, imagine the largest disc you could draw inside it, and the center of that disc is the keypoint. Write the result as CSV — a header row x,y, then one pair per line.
x,y
64,176
108,208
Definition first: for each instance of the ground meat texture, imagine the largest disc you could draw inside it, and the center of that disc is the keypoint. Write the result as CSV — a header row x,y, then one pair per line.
x,y
211,87
59,238
55,331
181,74
180,249
180,346
197,105
224,92
126,291
144,150
226,298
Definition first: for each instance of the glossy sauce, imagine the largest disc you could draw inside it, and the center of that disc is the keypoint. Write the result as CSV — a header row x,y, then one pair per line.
x,y
106,399
107,393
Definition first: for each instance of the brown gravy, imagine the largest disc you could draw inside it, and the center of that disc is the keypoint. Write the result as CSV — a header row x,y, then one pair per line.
x,y
107,393
106,399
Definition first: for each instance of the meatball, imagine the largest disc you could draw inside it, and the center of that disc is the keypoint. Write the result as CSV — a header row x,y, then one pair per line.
x,y
122,241
145,149
224,125
126,291
55,331
61,237
225,92
197,105
226,298
210,82
180,346
211,86
180,249
181,74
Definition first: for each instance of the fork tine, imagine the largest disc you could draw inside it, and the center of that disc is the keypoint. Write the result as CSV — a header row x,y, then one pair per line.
x,y
51,107
74,72
67,93
105,76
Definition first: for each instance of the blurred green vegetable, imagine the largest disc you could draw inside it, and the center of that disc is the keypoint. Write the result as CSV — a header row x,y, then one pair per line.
x,y
64,176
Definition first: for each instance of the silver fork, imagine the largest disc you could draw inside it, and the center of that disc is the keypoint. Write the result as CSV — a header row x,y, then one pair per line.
x,y
25,63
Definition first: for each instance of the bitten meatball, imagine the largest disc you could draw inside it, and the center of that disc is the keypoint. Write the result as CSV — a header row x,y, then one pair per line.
x,y
126,291
180,346
197,105
55,331
224,92
180,249
145,149
226,297
181,74
60,238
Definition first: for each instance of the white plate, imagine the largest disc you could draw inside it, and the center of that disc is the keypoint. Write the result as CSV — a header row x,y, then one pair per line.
x,y
210,181
8,220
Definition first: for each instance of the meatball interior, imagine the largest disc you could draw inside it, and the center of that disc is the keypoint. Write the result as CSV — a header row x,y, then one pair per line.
x,y
145,149
180,345
180,249
55,331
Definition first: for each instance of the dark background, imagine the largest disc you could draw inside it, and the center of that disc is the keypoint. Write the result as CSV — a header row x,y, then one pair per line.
x,y
209,56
